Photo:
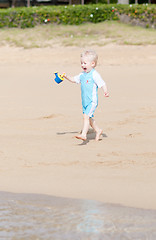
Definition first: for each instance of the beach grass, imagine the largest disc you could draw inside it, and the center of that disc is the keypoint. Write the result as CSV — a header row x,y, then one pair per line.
x,y
87,34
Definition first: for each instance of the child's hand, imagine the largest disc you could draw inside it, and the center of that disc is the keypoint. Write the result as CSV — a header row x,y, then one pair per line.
x,y
63,75
106,94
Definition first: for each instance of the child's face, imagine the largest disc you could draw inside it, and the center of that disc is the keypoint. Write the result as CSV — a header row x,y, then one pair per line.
x,y
86,64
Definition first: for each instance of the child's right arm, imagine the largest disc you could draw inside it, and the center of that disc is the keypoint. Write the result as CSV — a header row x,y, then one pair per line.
x,y
70,79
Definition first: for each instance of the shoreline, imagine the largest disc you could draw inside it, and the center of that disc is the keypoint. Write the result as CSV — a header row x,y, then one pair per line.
x,y
47,217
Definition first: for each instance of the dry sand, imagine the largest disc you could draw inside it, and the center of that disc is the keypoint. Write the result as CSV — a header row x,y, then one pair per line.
x,y
38,151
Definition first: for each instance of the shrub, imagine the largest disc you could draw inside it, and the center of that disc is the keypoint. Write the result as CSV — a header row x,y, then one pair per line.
x,y
76,14
143,13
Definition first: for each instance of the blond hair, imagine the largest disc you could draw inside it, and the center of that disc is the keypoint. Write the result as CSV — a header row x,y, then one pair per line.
x,y
91,54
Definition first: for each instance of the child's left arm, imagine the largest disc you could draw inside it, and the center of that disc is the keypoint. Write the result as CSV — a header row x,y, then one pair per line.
x,y
100,83
104,88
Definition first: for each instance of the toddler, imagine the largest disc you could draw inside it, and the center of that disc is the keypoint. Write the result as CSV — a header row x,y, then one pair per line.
x,y
90,81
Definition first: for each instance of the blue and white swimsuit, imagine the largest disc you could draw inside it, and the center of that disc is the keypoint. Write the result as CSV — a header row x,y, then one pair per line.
x,y
90,82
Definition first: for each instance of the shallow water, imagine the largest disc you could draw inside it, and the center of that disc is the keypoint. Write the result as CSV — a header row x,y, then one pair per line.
x,y
33,216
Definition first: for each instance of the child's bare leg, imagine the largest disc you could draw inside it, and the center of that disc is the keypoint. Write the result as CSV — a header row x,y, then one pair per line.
x,y
83,135
96,129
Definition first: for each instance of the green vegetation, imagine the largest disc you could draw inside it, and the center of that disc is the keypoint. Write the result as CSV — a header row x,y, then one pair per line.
x,y
74,15
87,34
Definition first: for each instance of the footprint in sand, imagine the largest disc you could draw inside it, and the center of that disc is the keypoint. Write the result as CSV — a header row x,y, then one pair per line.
x,y
50,116
132,135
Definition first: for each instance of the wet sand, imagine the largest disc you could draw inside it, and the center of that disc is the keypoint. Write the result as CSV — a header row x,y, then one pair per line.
x,y
32,216
39,119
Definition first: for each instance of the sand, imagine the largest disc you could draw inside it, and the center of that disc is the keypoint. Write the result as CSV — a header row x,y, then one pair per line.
x,y
39,119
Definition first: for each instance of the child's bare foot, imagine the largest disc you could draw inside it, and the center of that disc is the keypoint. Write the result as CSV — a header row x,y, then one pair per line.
x,y
98,134
81,137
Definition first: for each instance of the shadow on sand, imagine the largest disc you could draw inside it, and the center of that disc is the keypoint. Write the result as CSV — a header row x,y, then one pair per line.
x,y
90,136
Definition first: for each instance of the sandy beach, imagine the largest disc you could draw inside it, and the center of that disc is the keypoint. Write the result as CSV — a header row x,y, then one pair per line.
x,y
39,119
